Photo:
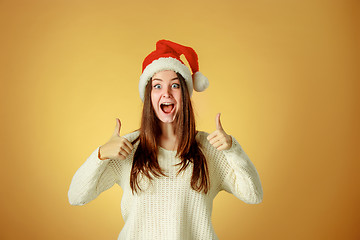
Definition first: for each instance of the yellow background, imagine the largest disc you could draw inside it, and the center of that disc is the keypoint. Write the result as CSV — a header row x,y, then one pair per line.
x,y
284,74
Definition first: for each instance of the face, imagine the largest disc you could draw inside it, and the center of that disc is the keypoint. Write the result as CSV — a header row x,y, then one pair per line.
x,y
166,95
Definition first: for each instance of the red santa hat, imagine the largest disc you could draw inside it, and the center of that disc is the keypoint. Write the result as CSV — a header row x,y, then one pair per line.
x,y
167,57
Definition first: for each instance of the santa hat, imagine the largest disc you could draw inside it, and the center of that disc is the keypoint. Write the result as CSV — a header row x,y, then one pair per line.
x,y
167,57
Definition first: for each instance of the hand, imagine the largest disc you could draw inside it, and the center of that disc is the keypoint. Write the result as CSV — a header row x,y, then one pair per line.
x,y
219,139
117,148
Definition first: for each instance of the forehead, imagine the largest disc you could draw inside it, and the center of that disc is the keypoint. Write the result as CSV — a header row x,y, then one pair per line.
x,y
165,75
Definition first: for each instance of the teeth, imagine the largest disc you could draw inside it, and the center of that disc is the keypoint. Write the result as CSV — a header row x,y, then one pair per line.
x,y
167,103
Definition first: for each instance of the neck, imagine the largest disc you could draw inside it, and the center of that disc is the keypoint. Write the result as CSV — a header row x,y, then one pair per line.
x,y
168,139
167,130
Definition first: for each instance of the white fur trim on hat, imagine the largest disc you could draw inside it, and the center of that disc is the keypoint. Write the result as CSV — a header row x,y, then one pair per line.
x,y
162,64
200,82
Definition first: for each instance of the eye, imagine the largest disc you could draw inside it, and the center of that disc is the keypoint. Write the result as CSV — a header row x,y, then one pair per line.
x,y
175,85
157,86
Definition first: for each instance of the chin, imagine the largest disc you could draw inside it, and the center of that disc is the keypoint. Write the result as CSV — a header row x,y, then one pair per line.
x,y
166,119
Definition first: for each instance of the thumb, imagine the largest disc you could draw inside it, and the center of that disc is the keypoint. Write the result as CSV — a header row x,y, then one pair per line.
x,y
117,128
218,123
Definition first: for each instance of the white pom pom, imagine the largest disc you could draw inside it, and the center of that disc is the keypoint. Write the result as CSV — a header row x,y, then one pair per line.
x,y
200,82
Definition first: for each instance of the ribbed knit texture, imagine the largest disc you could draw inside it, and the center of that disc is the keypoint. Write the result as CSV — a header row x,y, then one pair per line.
x,y
168,208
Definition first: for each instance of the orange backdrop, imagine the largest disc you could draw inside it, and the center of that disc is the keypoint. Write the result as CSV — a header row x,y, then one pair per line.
x,y
284,74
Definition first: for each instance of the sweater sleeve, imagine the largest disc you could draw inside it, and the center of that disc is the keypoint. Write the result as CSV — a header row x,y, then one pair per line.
x,y
241,177
92,178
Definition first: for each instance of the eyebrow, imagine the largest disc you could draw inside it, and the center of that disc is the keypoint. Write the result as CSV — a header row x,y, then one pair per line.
x,y
158,79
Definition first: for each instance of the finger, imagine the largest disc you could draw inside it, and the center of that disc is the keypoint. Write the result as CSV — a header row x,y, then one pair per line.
x,y
215,139
218,144
128,143
126,149
212,135
218,123
222,147
117,128
123,153
121,157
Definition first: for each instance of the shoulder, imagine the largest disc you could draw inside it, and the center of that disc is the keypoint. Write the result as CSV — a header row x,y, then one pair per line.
x,y
132,136
201,136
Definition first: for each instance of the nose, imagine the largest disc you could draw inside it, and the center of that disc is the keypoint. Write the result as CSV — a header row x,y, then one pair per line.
x,y
167,92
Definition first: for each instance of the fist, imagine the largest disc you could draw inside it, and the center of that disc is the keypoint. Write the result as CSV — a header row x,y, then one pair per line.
x,y
219,139
117,148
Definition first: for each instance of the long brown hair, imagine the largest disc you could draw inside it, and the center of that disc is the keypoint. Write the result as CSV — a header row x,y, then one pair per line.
x,y
145,157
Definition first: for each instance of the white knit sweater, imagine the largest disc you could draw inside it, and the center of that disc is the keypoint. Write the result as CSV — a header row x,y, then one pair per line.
x,y
168,208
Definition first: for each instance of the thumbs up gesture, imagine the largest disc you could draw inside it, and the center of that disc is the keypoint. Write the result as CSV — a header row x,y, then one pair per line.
x,y
117,148
219,139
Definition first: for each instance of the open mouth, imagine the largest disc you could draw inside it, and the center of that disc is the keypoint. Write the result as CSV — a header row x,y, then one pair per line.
x,y
167,107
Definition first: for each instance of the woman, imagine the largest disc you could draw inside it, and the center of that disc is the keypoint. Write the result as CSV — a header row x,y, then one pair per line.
x,y
169,172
